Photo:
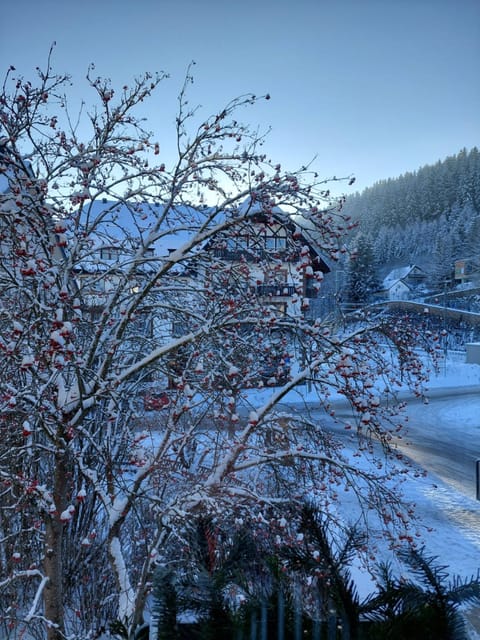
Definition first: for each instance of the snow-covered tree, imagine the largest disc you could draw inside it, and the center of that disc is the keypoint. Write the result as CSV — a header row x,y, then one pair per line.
x,y
112,301
362,272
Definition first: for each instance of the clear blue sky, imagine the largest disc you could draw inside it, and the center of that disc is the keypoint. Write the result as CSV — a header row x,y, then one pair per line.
x,y
374,88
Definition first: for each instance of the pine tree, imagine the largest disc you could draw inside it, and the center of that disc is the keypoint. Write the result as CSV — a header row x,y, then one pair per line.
x,y
362,281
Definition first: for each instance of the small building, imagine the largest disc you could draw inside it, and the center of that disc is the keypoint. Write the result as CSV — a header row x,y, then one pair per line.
x,y
403,283
466,271
473,353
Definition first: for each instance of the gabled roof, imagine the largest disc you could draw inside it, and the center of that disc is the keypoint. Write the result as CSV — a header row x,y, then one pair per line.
x,y
400,274
294,223
128,225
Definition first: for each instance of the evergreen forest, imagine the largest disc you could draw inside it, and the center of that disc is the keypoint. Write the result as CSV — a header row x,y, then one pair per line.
x,y
430,217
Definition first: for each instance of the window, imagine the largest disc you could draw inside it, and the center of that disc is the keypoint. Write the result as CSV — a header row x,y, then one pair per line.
x,y
109,253
275,243
256,239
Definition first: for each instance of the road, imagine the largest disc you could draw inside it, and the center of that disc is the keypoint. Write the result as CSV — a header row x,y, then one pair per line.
x,y
444,438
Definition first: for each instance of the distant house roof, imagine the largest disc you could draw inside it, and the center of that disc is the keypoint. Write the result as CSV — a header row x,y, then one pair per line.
x,y
395,276
403,275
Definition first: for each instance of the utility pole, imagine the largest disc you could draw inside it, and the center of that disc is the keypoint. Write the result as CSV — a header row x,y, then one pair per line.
x,y
477,465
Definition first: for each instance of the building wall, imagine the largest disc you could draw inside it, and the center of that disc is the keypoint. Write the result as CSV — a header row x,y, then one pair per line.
x,y
473,353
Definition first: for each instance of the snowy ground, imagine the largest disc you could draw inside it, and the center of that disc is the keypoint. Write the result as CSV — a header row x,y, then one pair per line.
x,y
451,514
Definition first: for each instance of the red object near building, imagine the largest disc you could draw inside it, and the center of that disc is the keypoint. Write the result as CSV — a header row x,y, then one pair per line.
x,y
155,401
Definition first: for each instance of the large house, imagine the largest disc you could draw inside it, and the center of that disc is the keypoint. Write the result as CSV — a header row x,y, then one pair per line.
x,y
275,257
284,267
267,257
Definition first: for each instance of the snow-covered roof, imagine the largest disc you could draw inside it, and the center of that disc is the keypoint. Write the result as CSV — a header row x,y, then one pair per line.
x,y
397,275
127,225
256,207
130,224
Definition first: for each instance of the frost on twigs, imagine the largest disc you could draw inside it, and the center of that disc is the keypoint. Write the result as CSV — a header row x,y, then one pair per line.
x,y
157,316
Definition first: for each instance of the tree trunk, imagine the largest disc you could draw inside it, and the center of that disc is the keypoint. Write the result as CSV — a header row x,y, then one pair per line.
x,y
53,565
53,558
126,593
281,615
140,602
